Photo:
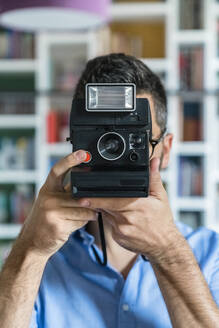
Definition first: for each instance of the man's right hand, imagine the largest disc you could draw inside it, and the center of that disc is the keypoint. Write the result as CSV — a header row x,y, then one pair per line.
x,y
55,215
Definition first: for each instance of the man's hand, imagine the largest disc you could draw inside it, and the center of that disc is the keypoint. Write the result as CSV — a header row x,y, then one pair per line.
x,y
145,226
142,225
55,215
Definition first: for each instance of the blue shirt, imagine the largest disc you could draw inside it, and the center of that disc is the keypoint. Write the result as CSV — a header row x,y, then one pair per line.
x,y
77,292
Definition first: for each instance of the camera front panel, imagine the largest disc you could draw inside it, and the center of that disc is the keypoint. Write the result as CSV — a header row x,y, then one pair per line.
x,y
113,148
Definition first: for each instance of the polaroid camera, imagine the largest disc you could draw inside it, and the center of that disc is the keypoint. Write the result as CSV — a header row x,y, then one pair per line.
x,y
114,128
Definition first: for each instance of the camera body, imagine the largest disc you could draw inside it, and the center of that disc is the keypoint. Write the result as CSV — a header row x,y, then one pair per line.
x,y
116,139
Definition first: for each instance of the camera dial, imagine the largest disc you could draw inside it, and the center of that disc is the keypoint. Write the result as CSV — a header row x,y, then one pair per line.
x,y
111,146
133,156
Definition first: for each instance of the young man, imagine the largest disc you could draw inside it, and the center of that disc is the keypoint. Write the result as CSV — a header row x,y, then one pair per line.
x,y
53,261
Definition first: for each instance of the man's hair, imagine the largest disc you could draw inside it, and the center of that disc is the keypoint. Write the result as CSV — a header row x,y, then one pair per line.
x,y
121,68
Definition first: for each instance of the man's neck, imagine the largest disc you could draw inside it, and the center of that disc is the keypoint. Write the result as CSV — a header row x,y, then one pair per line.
x,y
118,257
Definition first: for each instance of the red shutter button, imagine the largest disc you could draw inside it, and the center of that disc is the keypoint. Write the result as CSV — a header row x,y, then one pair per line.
x,y
88,157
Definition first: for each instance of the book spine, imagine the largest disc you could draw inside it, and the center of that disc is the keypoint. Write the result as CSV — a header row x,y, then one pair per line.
x,y
52,127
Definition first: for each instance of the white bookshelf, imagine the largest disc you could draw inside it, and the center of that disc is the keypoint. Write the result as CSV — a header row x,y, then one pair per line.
x,y
18,65
174,38
9,231
19,121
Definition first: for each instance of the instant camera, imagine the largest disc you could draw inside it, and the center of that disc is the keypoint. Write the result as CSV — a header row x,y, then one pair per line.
x,y
114,128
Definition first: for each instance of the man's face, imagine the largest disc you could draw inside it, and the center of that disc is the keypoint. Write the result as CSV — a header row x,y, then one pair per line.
x,y
162,150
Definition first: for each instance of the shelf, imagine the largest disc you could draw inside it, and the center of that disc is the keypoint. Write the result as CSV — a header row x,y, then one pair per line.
x,y
9,231
18,65
18,121
216,175
191,203
133,11
59,149
190,37
216,64
157,64
18,176
191,148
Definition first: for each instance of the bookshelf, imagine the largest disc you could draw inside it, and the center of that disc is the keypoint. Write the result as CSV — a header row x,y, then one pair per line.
x,y
55,65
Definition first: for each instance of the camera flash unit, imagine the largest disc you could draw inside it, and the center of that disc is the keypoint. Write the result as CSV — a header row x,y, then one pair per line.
x,y
115,97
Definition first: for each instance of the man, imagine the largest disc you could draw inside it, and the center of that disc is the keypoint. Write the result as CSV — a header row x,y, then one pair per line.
x,y
75,290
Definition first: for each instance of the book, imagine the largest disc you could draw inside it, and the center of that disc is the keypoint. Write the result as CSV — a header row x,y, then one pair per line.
x,y
191,60
191,14
16,45
16,202
57,125
13,103
16,152
67,64
191,121
190,176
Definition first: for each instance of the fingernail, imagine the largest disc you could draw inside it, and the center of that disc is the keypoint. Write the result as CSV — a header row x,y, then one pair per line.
x,y
80,154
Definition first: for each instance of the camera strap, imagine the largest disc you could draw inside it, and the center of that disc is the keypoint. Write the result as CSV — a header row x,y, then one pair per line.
x,y
103,243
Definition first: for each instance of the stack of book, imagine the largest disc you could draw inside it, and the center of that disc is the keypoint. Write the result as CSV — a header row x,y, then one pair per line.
x,y
191,67
66,73
57,126
16,103
190,180
16,45
191,14
191,121
16,153
15,202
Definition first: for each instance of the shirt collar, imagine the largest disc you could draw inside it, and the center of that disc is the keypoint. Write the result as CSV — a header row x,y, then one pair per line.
x,y
84,236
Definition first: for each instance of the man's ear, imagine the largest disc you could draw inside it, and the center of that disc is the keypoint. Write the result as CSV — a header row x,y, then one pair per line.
x,y
167,145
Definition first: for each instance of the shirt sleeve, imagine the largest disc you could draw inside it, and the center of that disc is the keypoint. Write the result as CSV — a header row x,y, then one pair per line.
x,y
33,322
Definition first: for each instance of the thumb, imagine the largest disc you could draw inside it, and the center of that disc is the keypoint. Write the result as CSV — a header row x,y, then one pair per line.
x,y
156,186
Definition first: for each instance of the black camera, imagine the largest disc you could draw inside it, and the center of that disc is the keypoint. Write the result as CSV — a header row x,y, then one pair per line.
x,y
114,127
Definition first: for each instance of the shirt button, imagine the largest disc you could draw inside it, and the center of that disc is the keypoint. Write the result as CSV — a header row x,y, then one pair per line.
x,y
125,307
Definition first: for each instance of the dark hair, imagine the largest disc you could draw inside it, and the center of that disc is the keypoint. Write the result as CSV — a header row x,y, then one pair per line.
x,y
121,68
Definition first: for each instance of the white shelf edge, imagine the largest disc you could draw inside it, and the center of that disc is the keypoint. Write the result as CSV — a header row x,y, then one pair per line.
x,y
190,37
191,203
157,64
18,65
9,231
133,11
18,121
58,149
215,64
192,148
18,176
216,176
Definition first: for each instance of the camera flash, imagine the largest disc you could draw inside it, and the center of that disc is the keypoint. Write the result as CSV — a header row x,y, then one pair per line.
x,y
110,97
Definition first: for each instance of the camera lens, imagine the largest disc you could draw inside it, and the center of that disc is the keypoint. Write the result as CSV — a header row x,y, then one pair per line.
x,y
133,157
111,146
